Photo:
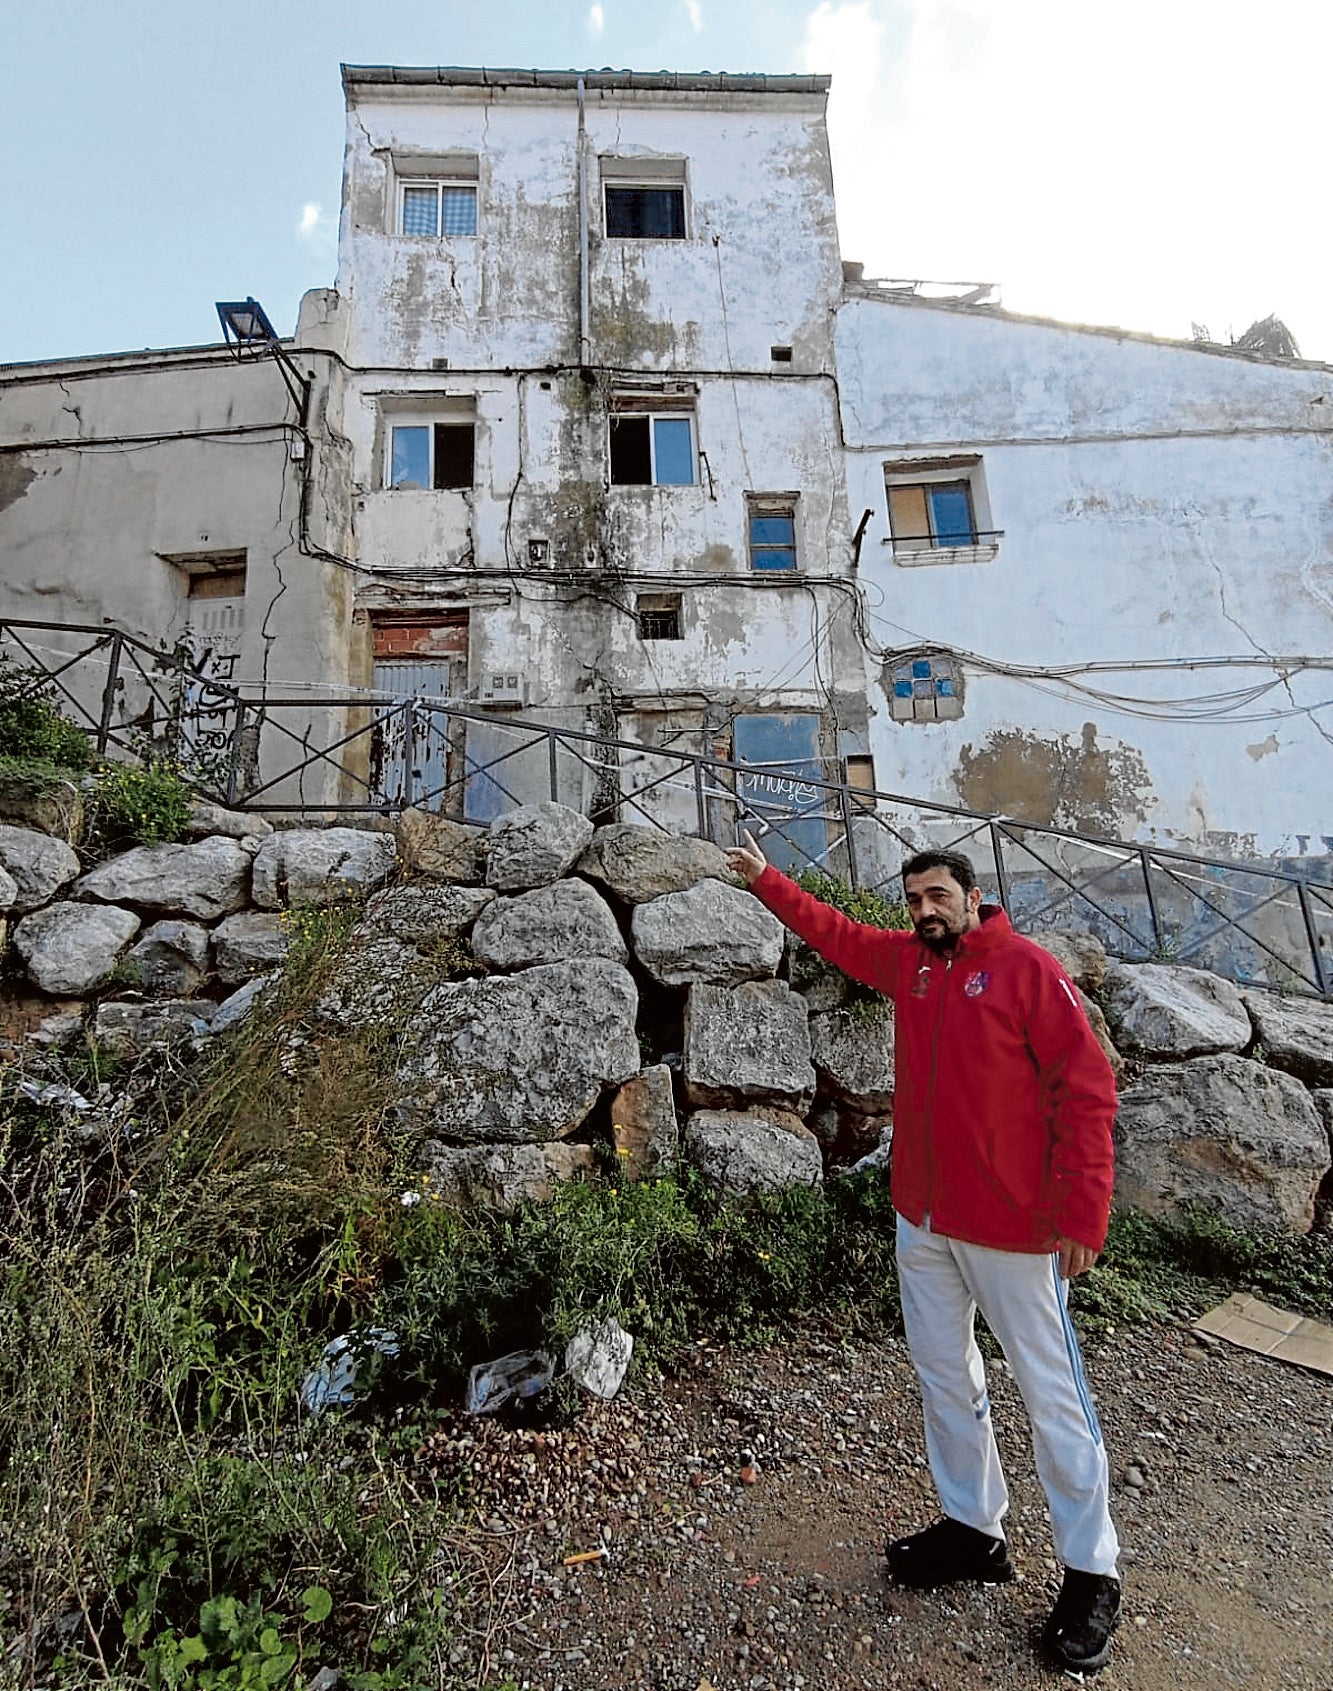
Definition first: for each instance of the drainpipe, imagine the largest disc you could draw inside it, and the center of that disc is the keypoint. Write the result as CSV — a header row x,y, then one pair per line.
x,y
585,345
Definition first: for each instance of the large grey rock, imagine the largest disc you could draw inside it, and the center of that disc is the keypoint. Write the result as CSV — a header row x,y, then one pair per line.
x,y
1158,1010
638,863
172,958
1081,956
49,807
129,1028
822,984
241,1005
745,1151
206,819
852,1050
1296,1034
644,1129
565,919
72,948
299,866
1242,1140
535,845
375,983
38,865
206,880
443,850
501,1177
252,942
518,1057
423,917
9,890
747,1044
1323,1103
710,932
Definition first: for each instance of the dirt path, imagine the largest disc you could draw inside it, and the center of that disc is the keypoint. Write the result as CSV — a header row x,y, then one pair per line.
x,y
744,1502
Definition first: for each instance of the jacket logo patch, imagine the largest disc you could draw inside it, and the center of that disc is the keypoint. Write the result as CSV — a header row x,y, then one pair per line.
x,y
921,985
976,984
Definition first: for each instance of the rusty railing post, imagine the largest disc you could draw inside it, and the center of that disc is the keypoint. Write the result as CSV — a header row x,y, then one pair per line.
x,y
109,695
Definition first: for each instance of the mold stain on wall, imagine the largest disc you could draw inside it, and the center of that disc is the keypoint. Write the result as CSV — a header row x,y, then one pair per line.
x,y
1059,781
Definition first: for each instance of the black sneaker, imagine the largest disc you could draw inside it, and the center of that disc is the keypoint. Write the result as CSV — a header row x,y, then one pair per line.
x,y
947,1553
1086,1613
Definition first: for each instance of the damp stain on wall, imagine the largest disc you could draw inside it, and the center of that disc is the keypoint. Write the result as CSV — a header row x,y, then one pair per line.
x,y
1062,781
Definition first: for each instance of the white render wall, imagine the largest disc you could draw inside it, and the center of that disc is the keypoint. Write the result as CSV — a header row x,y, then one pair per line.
x,y
1157,502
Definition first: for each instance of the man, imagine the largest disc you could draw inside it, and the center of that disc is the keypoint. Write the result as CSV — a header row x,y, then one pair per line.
x,y
1001,1180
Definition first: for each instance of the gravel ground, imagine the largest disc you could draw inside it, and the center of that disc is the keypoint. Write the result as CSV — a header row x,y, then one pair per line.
x,y
737,1511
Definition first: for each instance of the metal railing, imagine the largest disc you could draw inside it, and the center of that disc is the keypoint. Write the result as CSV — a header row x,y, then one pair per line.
x,y
365,753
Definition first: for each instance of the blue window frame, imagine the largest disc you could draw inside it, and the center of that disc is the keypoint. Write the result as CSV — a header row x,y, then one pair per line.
x,y
772,536
932,514
652,451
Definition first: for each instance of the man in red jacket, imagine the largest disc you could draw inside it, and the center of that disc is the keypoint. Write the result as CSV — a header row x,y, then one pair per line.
x,y
1001,1179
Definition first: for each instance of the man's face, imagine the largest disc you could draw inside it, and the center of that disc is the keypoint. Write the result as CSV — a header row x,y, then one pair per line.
x,y
940,910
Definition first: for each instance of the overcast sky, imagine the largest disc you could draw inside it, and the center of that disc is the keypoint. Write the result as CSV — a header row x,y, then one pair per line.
x,y
1154,164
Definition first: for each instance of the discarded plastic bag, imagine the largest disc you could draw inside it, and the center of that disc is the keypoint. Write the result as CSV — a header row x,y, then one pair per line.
x,y
598,1357
523,1373
333,1382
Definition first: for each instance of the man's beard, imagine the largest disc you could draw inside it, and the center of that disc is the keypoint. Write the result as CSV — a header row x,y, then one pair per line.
x,y
935,932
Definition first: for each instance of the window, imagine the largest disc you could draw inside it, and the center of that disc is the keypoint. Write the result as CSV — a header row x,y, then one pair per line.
x,y
658,616
437,208
772,532
644,198
652,449
925,689
431,455
938,512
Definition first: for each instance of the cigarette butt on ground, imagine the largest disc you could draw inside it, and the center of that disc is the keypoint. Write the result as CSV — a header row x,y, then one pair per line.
x,y
585,1556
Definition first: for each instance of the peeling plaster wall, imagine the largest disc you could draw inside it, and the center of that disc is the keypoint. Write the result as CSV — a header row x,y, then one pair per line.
x,y
82,539
1156,502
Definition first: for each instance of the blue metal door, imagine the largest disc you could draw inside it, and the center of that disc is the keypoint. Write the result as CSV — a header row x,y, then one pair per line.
x,y
782,758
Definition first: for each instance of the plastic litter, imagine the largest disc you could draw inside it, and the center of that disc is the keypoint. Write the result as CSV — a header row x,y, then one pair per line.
x,y
523,1373
53,1093
598,1357
337,1379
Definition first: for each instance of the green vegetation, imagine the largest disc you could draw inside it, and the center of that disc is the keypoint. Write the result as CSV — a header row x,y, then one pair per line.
x,y
133,805
31,726
862,904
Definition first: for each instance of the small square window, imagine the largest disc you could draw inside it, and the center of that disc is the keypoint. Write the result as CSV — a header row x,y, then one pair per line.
x,y
641,211
432,456
437,208
934,515
658,616
652,450
925,689
771,533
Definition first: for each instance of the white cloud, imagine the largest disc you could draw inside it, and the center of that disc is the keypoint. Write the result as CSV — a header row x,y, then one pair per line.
x,y
1138,167
312,220
596,19
696,15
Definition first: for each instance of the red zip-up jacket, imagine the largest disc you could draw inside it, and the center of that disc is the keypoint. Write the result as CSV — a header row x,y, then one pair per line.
x,y
1003,1100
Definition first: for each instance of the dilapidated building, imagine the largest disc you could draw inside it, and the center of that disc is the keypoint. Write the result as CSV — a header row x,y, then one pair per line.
x,y
597,430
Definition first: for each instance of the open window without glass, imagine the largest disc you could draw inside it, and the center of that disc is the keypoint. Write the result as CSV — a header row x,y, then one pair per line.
x,y
652,449
430,455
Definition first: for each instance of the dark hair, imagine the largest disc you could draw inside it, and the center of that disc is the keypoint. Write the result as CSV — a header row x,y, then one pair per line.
x,y
959,867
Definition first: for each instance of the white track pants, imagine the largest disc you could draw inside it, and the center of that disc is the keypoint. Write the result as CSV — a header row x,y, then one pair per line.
x,y
943,1283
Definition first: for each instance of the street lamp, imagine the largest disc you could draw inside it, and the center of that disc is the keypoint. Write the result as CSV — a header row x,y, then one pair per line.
x,y
245,325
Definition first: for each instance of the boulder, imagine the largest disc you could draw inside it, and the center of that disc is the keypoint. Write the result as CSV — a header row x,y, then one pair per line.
x,y
38,865
375,983
638,863
1296,1034
172,958
565,919
644,1128
9,890
440,849
130,1028
535,845
1159,1011
206,880
250,943
207,819
237,1009
72,948
1242,1140
1081,956
518,1057
710,932
60,1031
821,983
1323,1103
501,1177
1101,1031
423,917
846,1135
49,807
298,866
852,1050
744,1151
747,1044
